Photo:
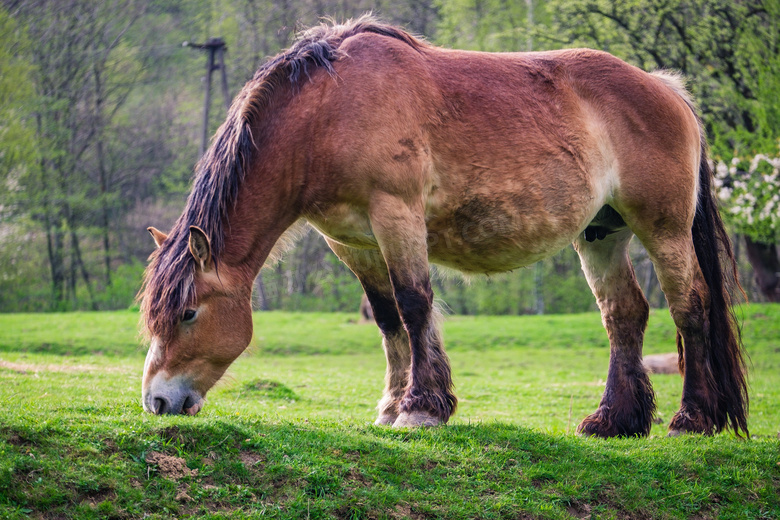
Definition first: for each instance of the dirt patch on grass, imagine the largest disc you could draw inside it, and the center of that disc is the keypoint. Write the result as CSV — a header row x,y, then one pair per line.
x,y
250,458
110,447
15,440
93,500
252,461
20,438
356,477
405,511
173,468
580,511
182,496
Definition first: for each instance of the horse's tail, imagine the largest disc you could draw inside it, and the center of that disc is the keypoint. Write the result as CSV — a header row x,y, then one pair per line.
x,y
725,358
724,355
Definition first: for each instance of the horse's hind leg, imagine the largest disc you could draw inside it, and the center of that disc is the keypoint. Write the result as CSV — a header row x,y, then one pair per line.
x,y
402,236
704,407
627,405
369,267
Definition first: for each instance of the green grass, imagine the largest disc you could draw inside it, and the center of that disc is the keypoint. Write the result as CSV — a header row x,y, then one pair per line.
x,y
288,433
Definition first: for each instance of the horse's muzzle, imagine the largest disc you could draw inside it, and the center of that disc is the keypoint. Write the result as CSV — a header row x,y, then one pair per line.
x,y
171,397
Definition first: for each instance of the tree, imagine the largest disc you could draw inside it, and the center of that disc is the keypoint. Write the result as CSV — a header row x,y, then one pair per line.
x,y
750,192
489,25
66,189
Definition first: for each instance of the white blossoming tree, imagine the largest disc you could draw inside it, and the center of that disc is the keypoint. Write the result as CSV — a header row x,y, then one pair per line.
x,y
750,193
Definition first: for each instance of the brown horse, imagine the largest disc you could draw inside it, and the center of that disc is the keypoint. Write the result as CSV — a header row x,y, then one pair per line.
x,y
401,153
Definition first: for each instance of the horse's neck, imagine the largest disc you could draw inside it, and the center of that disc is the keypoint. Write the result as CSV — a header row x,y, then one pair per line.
x,y
261,215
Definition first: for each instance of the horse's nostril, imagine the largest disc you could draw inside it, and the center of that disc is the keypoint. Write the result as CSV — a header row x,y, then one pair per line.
x,y
189,402
161,406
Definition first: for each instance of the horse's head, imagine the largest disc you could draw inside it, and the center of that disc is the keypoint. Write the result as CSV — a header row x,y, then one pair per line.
x,y
196,336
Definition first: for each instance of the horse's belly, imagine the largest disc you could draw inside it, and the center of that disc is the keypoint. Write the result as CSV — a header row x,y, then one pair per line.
x,y
482,235
489,235
489,248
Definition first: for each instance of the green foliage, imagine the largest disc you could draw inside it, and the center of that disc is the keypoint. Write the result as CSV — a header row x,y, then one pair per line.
x,y
488,25
524,383
22,267
17,149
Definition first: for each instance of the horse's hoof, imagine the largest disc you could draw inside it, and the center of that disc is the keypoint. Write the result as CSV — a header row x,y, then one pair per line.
x,y
595,425
591,430
412,419
385,419
599,425
685,422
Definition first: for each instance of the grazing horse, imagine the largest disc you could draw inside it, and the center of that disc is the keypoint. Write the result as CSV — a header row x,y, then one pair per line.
x,y
401,153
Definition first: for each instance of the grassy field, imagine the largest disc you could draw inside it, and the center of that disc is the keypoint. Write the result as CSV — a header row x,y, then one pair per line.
x,y
288,433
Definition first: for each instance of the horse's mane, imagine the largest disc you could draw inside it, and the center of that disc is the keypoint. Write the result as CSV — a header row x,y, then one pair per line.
x,y
168,286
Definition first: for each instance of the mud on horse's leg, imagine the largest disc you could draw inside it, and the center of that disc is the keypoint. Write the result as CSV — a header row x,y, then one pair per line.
x,y
400,230
628,403
370,268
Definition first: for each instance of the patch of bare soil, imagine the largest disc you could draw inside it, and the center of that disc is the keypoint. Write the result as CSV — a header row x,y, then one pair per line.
x,y
405,511
15,440
355,476
579,511
173,468
253,461
182,495
250,458
95,499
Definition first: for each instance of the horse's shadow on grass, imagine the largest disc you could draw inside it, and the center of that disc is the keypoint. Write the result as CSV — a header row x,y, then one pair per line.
x,y
478,464
459,471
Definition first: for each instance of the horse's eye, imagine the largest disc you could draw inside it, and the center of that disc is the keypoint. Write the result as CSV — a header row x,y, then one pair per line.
x,y
189,315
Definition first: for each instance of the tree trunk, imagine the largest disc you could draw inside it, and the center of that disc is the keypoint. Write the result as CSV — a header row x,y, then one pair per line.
x,y
538,288
101,165
78,260
262,298
56,263
766,267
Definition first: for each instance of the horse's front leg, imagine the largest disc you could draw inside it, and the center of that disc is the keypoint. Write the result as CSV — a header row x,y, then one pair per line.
x,y
628,403
400,230
369,266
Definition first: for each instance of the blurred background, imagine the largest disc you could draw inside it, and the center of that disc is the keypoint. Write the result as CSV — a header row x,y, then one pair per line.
x,y
102,114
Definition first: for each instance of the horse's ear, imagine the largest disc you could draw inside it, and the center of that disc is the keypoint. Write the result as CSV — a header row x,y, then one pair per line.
x,y
158,236
200,247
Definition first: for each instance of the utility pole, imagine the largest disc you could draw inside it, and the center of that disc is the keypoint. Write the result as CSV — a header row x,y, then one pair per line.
x,y
529,4
215,60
